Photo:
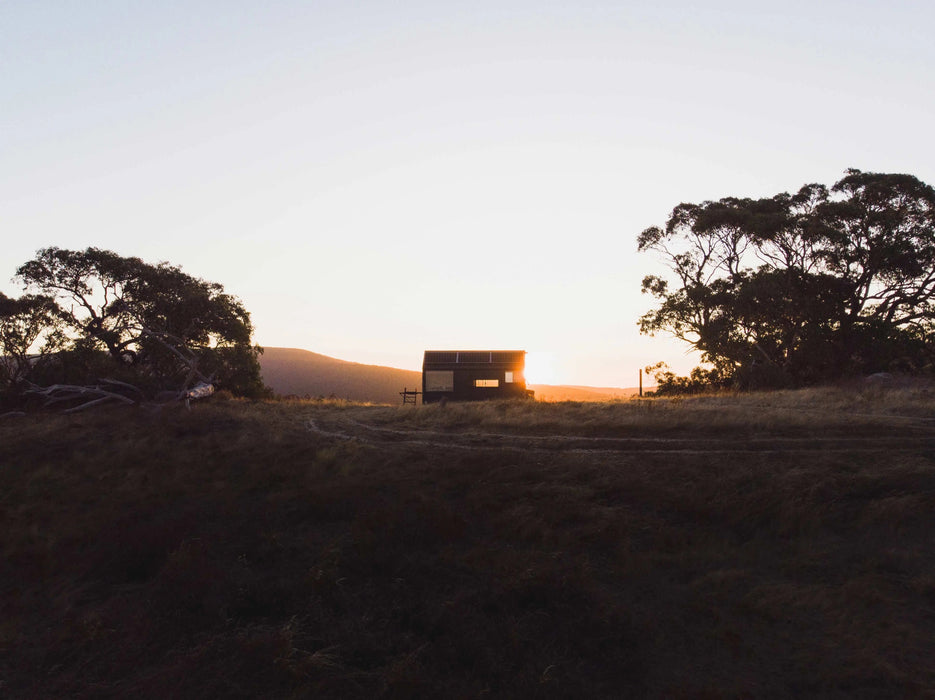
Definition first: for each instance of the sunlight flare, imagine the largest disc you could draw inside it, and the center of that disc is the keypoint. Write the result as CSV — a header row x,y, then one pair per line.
x,y
540,367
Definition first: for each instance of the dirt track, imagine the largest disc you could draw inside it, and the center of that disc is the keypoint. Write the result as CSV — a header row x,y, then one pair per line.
x,y
346,428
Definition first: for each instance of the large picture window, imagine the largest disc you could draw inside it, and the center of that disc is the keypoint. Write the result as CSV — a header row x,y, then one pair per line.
x,y
437,380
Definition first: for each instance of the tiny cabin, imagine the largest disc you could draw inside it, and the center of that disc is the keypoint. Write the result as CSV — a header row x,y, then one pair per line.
x,y
473,375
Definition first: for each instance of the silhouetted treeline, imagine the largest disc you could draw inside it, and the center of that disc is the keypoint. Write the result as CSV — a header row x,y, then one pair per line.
x,y
796,289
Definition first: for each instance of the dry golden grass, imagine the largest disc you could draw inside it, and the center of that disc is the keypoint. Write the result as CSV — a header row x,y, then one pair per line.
x,y
328,549
839,410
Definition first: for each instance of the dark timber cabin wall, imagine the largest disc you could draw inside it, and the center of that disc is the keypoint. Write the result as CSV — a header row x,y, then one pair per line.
x,y
473,375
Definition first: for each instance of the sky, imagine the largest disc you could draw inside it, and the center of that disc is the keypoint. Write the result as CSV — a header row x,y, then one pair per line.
x,y
375,179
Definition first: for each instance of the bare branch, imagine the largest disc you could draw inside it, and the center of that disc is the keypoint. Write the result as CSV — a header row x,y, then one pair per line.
x,y
191,361
130,387
89,404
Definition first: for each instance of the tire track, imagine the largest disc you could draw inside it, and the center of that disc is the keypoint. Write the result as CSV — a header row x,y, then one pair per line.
x,y
351,429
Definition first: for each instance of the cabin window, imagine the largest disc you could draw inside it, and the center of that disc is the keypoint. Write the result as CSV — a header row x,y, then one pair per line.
x,y
508,378
436,380
488,383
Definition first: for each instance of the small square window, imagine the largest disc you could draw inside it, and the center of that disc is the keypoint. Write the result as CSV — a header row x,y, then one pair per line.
x,y
508,378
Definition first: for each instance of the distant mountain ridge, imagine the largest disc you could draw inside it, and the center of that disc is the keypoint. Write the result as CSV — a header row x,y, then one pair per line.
x,y
291,371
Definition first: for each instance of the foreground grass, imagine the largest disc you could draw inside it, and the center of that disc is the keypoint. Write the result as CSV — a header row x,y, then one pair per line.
x,y
843,410
229,551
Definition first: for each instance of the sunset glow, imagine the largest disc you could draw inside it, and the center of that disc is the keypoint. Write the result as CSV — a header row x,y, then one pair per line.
x,y
372,180
540,368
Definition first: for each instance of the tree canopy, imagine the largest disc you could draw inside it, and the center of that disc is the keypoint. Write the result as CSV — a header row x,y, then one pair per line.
x,y
155,324
29,333
801,288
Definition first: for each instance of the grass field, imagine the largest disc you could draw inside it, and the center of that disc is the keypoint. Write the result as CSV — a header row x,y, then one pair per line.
x,y
763,545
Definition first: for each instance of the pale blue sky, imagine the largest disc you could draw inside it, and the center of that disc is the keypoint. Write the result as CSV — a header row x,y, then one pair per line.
x,y
375,179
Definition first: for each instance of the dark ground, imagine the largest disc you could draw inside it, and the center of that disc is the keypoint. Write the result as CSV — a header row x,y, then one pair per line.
x,y
239,550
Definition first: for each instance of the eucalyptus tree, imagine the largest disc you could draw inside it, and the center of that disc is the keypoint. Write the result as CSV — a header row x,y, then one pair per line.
x,y
30,333
162,326
821,283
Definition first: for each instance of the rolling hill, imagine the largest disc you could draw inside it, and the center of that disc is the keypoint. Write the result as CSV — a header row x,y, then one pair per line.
x,y
290,371
304,373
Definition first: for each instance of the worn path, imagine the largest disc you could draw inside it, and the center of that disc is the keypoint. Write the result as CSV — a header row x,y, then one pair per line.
x,y
348,428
